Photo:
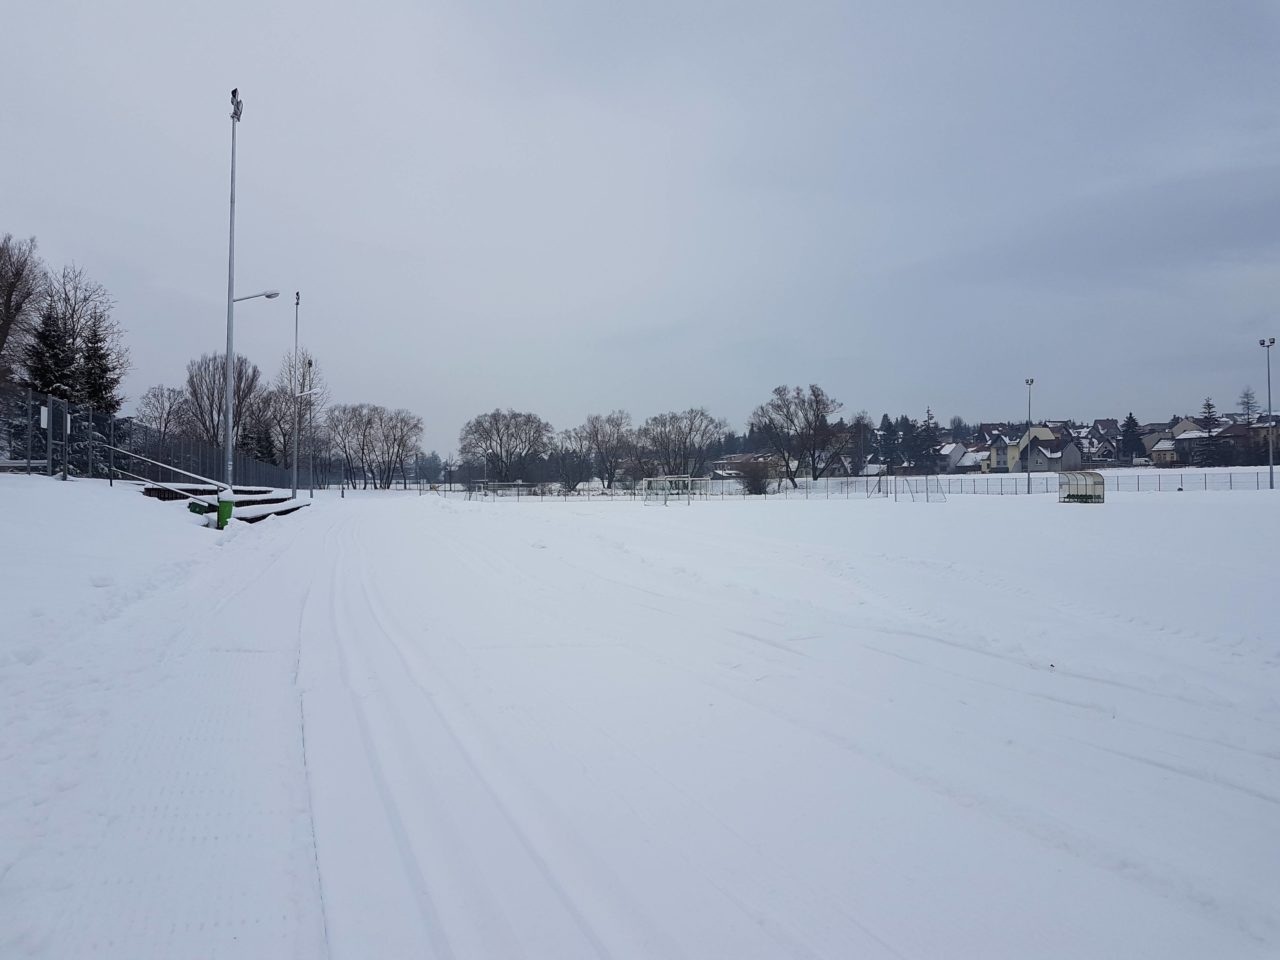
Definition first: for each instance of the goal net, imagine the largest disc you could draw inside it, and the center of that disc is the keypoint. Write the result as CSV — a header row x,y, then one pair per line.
x,y
664,490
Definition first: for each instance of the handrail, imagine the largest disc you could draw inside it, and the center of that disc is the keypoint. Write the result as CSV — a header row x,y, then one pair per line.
x,y
185,473
165,486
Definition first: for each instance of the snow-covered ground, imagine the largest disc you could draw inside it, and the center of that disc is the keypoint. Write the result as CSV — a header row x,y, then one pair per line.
x,y
399,726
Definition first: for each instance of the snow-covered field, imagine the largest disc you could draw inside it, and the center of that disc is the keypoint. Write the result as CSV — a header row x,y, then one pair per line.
x,y
399,726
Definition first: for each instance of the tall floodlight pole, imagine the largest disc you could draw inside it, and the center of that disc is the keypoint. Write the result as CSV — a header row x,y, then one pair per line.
x,y
228,440
311,443
1267,343
297,398
1027,450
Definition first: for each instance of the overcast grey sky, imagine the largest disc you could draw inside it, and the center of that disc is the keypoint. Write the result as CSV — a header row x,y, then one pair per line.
x,y
569,207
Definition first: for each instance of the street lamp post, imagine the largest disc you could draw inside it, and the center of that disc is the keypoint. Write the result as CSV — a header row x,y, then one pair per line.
x,y
228,399
297,397
1027,450
1267,343
311,443
228,442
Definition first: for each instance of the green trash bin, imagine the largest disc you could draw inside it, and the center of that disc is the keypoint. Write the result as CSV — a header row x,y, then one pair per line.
x,y
225,505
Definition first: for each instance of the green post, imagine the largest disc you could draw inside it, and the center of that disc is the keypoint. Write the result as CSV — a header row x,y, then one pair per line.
x,y
225,503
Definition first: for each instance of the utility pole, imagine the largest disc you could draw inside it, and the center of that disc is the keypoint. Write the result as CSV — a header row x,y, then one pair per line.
x,y
297,397
311,441
1267,343
228,440
1027,450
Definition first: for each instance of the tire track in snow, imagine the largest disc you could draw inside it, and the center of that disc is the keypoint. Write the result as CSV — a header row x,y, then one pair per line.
x,y
387,633
432,926
696,808
306,766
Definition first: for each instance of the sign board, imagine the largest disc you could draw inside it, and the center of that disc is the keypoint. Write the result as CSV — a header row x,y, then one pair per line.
x,y
44,421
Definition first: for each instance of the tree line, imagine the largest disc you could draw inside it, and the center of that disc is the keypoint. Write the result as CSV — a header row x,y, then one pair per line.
x,y
58,336
797,431
57,332
368,444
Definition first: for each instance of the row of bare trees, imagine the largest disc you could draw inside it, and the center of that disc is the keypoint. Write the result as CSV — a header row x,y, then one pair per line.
x,y
265,410
374,444
800,429
515,445
371,445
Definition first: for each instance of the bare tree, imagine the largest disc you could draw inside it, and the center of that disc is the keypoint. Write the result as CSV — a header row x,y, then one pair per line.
x,y
395,439
297,375
679,440
206,378
22,277
163,409
796,425
1248,405
343,424
611,439
505,440
571,455
82,305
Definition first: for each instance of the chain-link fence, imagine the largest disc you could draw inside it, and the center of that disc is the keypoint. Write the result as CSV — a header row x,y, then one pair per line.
x,y
43,433
923,488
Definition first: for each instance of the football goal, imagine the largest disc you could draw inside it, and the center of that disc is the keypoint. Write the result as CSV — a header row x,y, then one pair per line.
x,y
664,490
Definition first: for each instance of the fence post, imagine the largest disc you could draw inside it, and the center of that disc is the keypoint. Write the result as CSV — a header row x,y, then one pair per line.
x,y
91,432
48,439
111,453
30,431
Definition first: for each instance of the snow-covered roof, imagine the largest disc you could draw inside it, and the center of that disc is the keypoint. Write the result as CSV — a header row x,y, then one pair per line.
x,y
1164,446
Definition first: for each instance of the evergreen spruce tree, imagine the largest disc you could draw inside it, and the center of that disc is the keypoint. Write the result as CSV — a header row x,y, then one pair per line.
x,y
49,359
887,447
256,442
909,441
1206,449
1130,438
929,443
98,374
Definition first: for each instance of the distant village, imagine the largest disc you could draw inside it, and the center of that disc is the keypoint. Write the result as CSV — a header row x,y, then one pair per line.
x,y
1210,440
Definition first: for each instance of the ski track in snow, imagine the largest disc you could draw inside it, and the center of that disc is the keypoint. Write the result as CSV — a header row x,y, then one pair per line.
x,y
422,728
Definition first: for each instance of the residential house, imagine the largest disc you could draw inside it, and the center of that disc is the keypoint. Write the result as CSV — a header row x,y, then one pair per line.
x,y
973,461
1058,455
949,455
1163,453
1002,455
1152,439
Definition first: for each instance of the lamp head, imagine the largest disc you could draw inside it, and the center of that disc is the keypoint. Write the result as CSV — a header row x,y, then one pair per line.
x,y
271,294
236,104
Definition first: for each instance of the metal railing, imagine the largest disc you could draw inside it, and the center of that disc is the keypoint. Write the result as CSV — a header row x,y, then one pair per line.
x,y
45,434
921,488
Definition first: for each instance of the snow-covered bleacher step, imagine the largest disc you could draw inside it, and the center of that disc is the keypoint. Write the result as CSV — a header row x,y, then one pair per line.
x,y
260,511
